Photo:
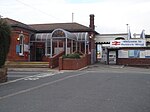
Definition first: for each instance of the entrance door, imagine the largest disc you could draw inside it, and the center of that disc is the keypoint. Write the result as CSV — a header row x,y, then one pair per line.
x,y
112,57
37,51
98,52
39,54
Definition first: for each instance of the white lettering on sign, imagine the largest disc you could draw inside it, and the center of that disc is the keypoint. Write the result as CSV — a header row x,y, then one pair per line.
x,y
127,43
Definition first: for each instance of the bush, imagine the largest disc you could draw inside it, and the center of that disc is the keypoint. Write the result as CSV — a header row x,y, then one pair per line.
x,y
73,56
5,33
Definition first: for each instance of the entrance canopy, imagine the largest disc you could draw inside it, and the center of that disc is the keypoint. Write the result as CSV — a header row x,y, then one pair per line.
x,y
61,39
41,37
61,34
82,36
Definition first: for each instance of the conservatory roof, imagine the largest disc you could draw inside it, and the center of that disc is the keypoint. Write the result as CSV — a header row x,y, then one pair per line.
x,y
59,34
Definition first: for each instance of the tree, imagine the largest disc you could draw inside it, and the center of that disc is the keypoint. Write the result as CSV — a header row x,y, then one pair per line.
x,y
5,34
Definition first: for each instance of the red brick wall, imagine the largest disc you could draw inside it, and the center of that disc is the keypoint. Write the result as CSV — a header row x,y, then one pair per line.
x,y
3,75
73,64
88,56
45,59
12,55
54,61
133,61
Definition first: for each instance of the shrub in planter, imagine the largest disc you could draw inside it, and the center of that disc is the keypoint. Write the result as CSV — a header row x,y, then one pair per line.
x,y
73,56
3,75
5,34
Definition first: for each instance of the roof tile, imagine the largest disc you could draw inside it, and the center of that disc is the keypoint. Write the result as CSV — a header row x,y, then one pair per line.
x,y
66,26
71,27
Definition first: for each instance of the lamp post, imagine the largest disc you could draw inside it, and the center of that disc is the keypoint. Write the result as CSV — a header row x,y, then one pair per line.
x,y
127,31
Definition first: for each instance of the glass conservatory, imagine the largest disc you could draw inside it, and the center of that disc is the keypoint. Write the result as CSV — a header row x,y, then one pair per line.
x,y
50,44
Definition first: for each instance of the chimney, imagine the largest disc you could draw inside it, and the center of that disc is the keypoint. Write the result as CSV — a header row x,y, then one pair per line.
x,y
92,26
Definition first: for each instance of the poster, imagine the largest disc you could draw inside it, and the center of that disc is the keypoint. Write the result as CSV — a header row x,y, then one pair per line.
x,y
123,54
142,54
26,48
147,53
134,53
17,49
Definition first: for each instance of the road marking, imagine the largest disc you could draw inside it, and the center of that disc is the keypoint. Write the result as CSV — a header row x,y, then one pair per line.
x,y
36,77
27,78
17,76
40,86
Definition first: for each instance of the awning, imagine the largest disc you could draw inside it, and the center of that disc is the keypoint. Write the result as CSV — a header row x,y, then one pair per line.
x,y
41,37
61,34
82,36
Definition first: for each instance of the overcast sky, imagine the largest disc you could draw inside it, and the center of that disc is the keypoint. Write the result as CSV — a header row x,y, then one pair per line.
x,y
111,16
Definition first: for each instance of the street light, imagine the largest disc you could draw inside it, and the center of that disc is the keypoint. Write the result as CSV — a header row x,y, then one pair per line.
x,y
127,31
127,28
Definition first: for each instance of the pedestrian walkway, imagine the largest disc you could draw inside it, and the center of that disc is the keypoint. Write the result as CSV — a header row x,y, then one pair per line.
x,y
99,67
93,67
31,69
12,64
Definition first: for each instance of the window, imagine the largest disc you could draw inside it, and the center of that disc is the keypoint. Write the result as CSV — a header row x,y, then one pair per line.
x,y
47,44
44,38
21,43
48,47
58,33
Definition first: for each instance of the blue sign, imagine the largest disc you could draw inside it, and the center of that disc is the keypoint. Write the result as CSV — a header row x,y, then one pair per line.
x,y
17,49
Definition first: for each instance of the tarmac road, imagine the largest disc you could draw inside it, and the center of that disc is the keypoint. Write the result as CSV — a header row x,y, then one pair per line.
x,y
94,89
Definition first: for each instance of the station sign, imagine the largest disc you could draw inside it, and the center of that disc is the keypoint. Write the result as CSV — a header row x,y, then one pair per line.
x,y
128,43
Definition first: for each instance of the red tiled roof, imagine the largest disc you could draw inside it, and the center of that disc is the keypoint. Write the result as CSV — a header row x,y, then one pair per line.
x,y
72,27
15,23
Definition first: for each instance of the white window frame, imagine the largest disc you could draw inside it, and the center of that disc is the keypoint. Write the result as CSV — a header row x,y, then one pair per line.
x,y
21,43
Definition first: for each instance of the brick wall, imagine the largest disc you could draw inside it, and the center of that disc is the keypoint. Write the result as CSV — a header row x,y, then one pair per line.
x,y
54,61
133,61
3,75
73,64
12,55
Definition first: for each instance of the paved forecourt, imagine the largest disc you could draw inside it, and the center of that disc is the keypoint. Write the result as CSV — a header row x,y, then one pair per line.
x,y
115,89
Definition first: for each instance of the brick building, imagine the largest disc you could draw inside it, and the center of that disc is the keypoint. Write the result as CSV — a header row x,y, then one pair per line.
x,y
20,39
40,42
118,49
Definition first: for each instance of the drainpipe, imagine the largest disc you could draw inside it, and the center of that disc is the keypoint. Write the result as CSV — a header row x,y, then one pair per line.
x,y
92,40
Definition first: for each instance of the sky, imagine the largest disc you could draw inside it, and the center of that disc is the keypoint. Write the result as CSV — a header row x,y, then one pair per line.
x,y
111,16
